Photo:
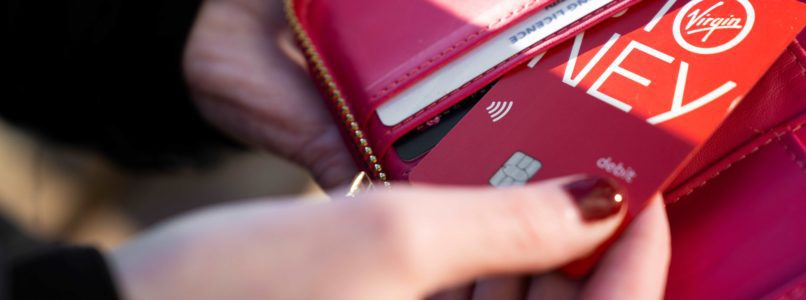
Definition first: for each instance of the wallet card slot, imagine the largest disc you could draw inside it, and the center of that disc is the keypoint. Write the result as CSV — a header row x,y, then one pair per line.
x,y
455,96
744,223
390,135
371,46
505,18
780,94
514,39
785,135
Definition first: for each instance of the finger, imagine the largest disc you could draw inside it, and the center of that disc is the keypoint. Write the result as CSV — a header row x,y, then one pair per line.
x,y
635,267
288,44
241,78
553,286
445,236
500,288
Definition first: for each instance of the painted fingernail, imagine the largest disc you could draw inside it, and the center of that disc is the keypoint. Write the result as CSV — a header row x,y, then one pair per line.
x,y
597,198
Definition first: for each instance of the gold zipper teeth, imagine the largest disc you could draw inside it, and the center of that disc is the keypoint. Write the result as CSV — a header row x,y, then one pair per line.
x,y
345,114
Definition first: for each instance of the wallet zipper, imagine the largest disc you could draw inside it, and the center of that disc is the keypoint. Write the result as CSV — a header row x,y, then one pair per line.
x,y
346,116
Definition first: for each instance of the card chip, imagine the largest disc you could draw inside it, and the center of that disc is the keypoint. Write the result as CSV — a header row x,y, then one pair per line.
x,y
517,170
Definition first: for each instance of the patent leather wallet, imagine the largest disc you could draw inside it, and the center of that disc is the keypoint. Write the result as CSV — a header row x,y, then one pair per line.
x,y
363,53
736,209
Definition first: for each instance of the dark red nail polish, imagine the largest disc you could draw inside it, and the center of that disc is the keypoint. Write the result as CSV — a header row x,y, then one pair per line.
x,y
597,198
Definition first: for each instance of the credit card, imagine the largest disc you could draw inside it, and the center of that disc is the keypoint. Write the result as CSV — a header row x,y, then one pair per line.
x,y
484,57
632,98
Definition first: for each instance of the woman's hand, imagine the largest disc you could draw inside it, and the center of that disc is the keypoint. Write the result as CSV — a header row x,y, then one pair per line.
x,y
407,243
238,66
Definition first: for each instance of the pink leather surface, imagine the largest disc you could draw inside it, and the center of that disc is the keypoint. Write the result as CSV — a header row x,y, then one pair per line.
x,y
794,290
372,56
779,96
740,235
383,137
374,48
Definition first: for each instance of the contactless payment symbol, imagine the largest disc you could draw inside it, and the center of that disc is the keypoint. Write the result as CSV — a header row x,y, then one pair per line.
x,y
710,27
517,170
499,109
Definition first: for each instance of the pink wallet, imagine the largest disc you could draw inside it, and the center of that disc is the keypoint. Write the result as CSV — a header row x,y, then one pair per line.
x,y
737,209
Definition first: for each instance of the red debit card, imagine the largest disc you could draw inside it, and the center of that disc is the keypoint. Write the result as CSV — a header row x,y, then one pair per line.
x,y
632,98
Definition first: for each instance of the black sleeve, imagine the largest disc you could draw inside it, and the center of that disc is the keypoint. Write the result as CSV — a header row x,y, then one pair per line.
x,y
33,269
61,273
106,75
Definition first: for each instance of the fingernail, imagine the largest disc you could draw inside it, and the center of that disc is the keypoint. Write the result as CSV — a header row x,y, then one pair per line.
x,y
597,198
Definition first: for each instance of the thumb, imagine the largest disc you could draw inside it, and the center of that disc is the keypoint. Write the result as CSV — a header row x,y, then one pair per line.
x,y
454,235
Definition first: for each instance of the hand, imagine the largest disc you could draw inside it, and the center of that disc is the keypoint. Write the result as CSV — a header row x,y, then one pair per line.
x,y
407,243
239,70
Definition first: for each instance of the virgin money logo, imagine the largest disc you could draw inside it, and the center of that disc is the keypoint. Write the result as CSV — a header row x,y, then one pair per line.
x,y
710,27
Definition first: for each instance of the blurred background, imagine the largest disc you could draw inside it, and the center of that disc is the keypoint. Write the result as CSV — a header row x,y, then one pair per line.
x,y
99,138
73,195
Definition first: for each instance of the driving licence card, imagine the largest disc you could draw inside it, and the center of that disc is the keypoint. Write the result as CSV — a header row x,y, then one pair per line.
x,y
631,99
